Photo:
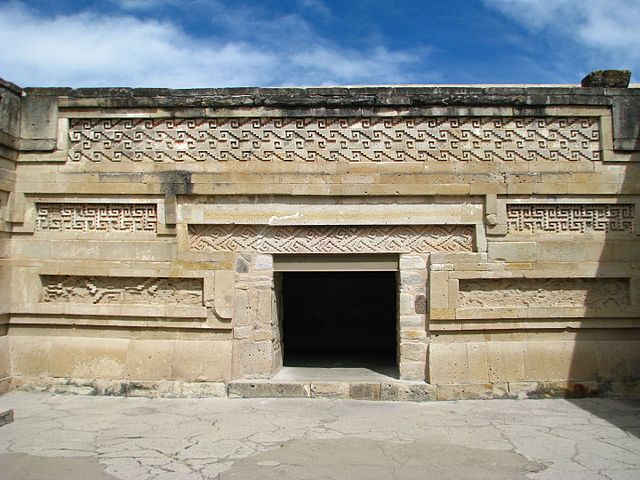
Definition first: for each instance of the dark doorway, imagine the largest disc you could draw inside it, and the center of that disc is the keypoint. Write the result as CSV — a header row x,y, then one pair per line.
x,y
339,320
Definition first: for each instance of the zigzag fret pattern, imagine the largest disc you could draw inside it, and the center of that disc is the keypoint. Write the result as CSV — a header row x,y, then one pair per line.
x,y
96,217
570,218
375,139
331,239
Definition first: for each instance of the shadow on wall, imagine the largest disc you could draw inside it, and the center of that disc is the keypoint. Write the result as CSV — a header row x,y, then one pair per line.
x,y
612,355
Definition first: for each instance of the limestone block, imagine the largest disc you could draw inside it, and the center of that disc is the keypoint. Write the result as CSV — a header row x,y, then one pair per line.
x,y
330,389
415,262
408,321
263,262
39,122
411,279
407,304
618,359
257,389
364,391
413,350
223,294
448,362
506,361
478,359
512,251
253,359
456,257
150,359
439,290
204,389
412,371
408,391
472,391
29,355
242,308
413,334
201,360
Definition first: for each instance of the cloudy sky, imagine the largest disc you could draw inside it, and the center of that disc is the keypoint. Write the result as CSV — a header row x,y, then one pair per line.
x,y
211,43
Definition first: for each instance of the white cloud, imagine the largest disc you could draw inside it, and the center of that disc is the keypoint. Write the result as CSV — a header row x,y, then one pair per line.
x,y
606,30
92,49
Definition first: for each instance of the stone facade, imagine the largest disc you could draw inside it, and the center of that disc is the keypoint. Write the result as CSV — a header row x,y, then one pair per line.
x,y
141,230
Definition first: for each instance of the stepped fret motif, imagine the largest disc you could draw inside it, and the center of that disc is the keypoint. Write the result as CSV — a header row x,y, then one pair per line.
x,y
374,139
570,218
96,217
544,292
331,239
122,290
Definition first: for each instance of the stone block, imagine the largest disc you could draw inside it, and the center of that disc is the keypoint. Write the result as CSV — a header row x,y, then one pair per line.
x,y
549,361
506,361
364,391
201,360
268,388
253,359
413,350
411,371
204,389
439,290
408,321
471,391
412,279
413,262
413,334
448,362
6,417
330,389
407,392
512,251
149,359
263,262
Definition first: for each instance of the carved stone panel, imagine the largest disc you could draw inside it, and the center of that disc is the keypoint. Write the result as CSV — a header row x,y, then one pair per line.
x,y
331,239
96,217
544,292
570,218
122,290
374,139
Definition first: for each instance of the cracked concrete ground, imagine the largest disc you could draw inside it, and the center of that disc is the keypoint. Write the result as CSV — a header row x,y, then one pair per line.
x,y
107,438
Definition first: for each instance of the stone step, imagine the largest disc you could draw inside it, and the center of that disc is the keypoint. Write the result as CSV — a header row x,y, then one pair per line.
x,y
400,390
6,417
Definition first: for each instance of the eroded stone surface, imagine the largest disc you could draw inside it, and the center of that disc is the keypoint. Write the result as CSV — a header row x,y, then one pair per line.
x,y
317,439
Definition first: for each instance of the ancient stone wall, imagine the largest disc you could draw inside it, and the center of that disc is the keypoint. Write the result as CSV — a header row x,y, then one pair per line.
x,y
9,146
142,230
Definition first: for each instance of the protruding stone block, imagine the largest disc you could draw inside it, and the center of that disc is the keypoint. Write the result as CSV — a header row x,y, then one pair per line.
x,y
607,79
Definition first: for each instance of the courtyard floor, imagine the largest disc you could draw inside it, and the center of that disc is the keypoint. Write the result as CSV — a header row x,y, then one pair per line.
x,y
100,438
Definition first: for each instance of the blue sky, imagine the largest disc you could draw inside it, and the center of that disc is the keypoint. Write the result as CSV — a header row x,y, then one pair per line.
x,y
221,43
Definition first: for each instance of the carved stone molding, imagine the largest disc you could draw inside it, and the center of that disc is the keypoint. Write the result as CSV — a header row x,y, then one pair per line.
x,y
544,292
122,290
331,239
96,217
570,218
374,139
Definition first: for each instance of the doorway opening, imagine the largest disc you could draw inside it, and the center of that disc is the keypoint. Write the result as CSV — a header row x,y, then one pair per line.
x,y
339,320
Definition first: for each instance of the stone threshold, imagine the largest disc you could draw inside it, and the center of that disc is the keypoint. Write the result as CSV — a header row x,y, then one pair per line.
x,y
397,390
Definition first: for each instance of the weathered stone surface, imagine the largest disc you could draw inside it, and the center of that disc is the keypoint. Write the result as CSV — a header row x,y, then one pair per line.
x,y
140,231
6,417
257,389
607,79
